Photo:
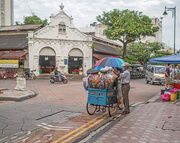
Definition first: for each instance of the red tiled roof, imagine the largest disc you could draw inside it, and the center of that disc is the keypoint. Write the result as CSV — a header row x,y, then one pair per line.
x,y
13,55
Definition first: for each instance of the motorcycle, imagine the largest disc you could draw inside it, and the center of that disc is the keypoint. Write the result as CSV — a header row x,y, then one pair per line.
x,y
62,78
30,75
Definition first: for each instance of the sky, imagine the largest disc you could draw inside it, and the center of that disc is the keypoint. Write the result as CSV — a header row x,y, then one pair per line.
x,y
84,12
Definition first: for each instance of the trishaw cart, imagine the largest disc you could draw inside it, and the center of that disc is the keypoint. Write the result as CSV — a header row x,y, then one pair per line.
x,y
106,97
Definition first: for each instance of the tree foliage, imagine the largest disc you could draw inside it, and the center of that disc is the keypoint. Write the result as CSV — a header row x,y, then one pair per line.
x,y
126,26
34,19
93,46
161,54
142,52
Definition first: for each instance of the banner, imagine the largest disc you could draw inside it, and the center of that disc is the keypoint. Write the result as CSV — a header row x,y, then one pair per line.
x,y
9,63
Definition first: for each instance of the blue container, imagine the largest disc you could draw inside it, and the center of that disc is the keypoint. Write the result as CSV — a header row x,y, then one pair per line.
x,y
167,90
101,96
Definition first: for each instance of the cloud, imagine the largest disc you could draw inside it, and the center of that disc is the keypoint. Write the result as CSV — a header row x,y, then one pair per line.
x,y
85,12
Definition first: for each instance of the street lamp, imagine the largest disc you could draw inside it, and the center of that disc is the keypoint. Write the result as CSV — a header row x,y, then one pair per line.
x,y
173,15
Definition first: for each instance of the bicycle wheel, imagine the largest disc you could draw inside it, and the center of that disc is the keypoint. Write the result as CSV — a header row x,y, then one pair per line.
x,y
91,108
113,106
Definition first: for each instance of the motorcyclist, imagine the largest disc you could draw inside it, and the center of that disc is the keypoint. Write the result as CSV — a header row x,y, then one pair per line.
x,y
57,73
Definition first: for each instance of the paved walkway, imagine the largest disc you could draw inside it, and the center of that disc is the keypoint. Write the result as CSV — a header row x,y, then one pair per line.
x,y
157,122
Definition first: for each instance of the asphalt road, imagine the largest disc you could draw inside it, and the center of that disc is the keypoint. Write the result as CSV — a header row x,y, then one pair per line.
x,y
58,109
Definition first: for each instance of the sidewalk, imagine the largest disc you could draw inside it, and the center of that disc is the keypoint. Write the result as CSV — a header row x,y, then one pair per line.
x,y
157,122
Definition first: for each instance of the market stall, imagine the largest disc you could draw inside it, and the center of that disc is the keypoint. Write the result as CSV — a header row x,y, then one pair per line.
x,y
174,88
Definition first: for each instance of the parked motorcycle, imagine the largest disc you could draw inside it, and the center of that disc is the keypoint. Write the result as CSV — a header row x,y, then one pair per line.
x,y
30,75
62,78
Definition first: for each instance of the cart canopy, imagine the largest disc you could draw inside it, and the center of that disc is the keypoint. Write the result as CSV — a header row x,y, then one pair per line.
x,y
172,59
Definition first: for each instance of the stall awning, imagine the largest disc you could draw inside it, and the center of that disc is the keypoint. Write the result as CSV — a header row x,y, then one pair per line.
x,y
172,59
21,55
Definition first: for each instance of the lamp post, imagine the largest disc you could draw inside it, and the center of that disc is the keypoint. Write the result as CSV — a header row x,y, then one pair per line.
x,y
173,15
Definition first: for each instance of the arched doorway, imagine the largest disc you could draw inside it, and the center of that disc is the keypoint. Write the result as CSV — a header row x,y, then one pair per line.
x,y
75,61
47,60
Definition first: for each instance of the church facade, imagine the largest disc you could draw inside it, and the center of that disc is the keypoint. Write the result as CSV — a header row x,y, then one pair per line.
x,y
59,44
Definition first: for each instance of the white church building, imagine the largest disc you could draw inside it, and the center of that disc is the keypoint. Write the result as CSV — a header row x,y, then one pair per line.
x,y
59,44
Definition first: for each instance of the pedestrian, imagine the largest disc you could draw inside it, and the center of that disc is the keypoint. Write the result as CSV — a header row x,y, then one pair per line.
x,y
4,76
174,73
167,76
125,87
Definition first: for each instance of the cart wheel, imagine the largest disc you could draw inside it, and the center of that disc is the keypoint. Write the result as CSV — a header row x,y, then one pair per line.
x,y
113,106
91,108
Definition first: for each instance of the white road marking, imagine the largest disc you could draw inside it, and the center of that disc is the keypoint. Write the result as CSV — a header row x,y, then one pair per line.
x,y
3,138
49,139
14,137
54,126
47,135
24,140
50,127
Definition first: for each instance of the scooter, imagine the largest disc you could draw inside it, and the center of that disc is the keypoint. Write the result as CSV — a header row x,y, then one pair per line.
x,y
30,75
62,78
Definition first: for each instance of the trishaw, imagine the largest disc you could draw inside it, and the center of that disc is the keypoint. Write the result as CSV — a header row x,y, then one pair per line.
x,y
105,98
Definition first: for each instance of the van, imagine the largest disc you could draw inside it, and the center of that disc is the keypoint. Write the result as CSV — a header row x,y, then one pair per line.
x,y
155,74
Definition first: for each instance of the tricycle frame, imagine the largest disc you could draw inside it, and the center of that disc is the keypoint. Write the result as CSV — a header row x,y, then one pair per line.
x,y
105,98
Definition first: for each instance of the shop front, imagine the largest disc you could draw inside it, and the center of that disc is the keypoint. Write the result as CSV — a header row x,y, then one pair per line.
x,y
47,60
75,62
11,62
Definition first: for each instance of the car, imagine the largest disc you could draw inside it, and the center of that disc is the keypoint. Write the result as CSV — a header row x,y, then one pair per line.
x,y
155,74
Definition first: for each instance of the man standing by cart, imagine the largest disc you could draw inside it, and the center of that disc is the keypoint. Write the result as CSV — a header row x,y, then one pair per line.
x,y
125,80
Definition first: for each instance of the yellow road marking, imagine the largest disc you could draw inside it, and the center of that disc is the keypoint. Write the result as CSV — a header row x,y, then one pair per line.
x,y
73,136
65,136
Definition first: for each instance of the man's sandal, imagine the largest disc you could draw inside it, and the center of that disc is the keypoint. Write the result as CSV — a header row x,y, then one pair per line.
x,y
125,112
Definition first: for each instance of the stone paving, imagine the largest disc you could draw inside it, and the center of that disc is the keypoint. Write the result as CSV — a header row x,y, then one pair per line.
x,y
157,122
16,95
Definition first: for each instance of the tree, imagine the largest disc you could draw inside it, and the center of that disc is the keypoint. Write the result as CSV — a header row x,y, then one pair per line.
x,y
126,26
142,52
34,19
161,54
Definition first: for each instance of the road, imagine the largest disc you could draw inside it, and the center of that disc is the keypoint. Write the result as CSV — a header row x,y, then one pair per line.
x,y
58,112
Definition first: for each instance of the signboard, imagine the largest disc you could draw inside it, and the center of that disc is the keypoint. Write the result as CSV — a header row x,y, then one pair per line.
x,y
9,63
65,61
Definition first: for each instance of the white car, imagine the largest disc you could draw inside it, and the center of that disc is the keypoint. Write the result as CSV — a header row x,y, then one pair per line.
x,y
155,74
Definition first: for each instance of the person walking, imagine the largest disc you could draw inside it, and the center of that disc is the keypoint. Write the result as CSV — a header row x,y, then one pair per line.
x,y
167,76
125,80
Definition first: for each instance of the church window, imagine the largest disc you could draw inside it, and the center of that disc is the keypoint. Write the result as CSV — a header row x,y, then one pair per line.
x,y
62,27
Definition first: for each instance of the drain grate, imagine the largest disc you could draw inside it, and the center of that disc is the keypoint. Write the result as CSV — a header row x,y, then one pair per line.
x,y
174,126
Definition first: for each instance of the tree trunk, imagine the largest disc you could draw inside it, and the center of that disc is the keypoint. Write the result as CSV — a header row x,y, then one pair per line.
x,y
124,49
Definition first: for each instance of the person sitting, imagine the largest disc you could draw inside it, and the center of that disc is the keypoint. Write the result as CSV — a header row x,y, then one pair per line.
x,y
57,73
